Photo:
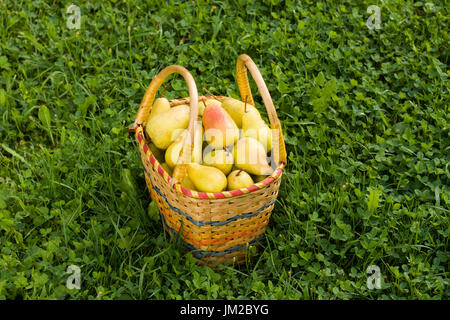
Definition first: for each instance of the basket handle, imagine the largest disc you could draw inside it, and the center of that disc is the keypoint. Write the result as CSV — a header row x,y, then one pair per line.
x,y
146,106
243,63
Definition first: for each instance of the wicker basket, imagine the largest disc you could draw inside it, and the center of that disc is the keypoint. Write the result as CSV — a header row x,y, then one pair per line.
x,y
217,227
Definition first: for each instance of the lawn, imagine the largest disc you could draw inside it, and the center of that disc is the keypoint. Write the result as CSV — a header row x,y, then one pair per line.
x,y
365,113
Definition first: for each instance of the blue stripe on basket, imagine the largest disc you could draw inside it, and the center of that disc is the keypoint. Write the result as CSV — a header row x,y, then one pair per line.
x,y
203,223
202,253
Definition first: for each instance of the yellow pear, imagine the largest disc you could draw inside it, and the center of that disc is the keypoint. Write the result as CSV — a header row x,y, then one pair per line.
x,y
221,159
166,168
250,155
254,126
173,152
206,179
187,183
236,109
160,105
184,104
162,126
239,179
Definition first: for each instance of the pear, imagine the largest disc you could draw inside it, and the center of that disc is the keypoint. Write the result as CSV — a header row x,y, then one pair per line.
x,y
157,153
259,178
254,126
166,168
250,155
239,179
173,152
160,105
220,129
184,104
162,126
202,105
221,159
236,109
187,183
205,178
198,142
234,166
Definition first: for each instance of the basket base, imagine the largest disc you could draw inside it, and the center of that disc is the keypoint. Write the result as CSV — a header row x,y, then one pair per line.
x,y
236,257
231,259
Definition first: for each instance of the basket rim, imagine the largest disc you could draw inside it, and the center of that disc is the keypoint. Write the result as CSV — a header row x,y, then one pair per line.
x,y
140,137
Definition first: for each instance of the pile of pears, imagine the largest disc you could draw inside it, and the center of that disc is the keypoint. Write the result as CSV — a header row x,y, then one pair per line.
x,y
231,143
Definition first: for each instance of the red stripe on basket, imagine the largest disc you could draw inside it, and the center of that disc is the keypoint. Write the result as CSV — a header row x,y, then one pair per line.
x,y
160,170
186,192
145,149
253,188
139,136
268,180
203,195
152,159
219,195
236,192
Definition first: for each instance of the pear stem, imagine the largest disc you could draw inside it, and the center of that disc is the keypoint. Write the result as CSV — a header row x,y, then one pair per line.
x,y
203,100
162,92
239,172
209,92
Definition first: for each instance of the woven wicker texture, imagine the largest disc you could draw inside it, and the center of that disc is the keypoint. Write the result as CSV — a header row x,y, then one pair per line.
x,y
217,227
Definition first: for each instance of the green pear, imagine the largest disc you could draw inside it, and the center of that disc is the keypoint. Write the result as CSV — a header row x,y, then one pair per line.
x,y
236,109
250,155
254,126
239,179
221,159
153,211
160,105
206,179
161,127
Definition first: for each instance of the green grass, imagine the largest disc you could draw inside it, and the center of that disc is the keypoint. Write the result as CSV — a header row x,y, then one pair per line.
x,y
366,120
